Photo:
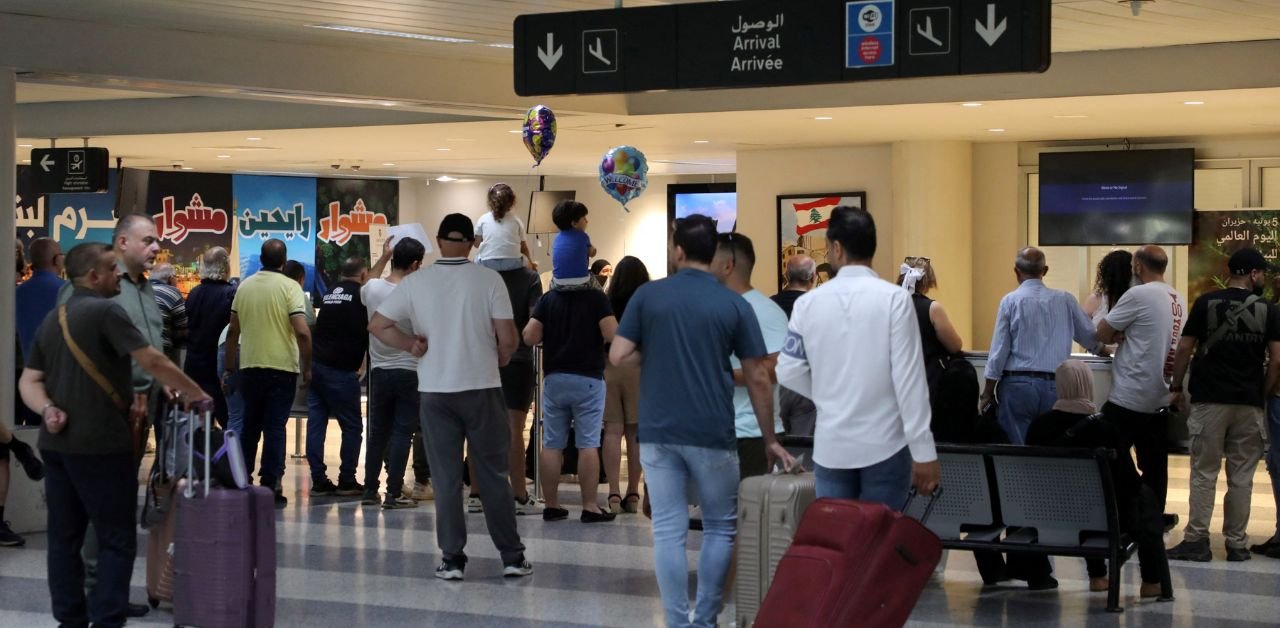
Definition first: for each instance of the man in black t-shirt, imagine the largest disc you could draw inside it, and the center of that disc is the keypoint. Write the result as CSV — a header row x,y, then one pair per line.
x,y
573,326
338,347
1231,332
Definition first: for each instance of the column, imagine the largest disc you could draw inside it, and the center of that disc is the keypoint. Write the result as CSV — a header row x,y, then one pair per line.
x,y
933,217
8,233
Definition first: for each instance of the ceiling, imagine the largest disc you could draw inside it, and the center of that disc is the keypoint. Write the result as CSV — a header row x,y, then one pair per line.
x,y
669,140
1077,24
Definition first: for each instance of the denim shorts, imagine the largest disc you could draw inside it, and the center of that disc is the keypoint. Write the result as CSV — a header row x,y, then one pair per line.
x,y
501,264
575,401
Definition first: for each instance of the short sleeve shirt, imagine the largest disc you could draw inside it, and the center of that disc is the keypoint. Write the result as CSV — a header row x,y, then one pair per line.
x,y
1151,317
340,338
453,303
499,239
523,288
381,355
773,328
686,326
571,339
104,332
569,254
1231,370
265,303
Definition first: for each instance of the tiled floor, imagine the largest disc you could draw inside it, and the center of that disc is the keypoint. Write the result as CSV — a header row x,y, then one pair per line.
x,y
341,565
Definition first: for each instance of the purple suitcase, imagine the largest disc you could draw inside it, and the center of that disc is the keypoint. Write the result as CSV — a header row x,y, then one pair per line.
x,y
225,557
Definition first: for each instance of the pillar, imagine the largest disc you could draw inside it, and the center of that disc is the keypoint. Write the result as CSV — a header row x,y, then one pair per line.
x,y
8,233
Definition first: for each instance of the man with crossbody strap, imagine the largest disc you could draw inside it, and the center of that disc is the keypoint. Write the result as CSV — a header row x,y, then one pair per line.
x,y
1228,389
78,378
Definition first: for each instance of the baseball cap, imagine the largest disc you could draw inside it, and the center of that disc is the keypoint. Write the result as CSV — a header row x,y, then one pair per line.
x,y
456,228
1245,261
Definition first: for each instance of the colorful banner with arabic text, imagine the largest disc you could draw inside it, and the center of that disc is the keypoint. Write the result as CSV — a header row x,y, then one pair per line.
x,y
30,210
77,218
275,207
192,214
347,207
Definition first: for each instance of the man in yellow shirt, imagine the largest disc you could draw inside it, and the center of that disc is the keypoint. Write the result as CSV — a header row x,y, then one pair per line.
x,y
269,310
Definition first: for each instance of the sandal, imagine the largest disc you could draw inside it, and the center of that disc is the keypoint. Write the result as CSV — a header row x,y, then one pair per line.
x,y
631,503
615,503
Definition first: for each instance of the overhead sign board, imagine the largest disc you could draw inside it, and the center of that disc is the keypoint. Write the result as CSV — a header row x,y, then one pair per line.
x,y
750,43
69,170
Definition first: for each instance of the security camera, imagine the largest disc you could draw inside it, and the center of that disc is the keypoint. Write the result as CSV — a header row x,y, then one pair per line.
x,y
355,168
336,166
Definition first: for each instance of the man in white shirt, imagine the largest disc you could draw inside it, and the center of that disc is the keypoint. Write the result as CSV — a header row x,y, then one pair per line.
x,y
1147,325
853,346
462,316
393,388
735,259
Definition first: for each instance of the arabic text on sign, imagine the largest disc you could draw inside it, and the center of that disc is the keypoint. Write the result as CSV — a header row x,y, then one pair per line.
x,y
176,224
338,227
743,41
287,224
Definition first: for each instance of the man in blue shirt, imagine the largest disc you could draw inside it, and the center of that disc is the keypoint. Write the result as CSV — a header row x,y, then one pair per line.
x,y
681,331
37,296
1034,330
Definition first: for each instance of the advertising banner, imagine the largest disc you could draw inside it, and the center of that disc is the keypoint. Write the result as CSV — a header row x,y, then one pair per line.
x,y
347,208
1218,234
192,215
29,209
77,218
274,207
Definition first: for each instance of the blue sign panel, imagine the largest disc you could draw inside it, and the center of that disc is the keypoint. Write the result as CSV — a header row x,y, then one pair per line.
x,y
868,34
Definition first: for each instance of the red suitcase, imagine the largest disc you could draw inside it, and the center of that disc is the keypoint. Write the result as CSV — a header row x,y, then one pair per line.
x,y
851,564
225,557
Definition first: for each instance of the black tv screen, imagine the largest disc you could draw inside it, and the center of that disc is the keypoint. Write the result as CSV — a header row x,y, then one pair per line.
x,y
1117,197
718,201
540,206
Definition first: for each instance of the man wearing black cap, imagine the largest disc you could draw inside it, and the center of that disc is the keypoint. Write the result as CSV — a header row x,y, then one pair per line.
x,y
465,331
1231,332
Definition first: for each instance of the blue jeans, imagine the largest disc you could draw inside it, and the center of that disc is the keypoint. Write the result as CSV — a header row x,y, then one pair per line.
x,y
668,470
501,264
576,401
334,392
1273,450
235,402
268,397
1022,399
886,482
393,418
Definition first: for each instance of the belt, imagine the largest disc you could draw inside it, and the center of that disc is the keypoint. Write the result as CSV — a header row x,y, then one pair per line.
x,y
1035,374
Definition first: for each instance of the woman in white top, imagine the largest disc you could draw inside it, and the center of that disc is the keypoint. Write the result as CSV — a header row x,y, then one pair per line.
x,y
499,235
1115,275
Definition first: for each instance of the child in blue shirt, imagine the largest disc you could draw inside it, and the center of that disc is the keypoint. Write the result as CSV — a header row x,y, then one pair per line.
x,y
571,249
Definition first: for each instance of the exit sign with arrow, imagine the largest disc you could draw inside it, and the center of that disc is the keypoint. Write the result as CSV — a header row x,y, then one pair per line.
x,y
70,170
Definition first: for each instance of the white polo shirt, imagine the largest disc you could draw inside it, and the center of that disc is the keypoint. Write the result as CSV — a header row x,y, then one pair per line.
x,y
381,355
453,303
853,346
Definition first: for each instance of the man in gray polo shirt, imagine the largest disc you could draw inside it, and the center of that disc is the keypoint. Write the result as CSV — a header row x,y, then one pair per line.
x,y
465,331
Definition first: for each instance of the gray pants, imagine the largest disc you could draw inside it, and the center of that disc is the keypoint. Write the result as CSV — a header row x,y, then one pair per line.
x,y
480,418
1238,434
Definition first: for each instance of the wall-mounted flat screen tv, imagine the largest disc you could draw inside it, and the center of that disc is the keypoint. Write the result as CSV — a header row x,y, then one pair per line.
x,y
719,201
540,206
1117,197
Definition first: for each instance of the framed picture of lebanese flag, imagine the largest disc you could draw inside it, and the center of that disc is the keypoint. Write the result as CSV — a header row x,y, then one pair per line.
x,y
802,228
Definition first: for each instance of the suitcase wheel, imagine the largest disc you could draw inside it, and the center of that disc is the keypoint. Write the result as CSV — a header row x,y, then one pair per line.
x,y
153,602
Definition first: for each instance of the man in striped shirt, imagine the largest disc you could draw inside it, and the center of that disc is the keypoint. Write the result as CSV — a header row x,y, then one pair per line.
x,y
172,307
1034,330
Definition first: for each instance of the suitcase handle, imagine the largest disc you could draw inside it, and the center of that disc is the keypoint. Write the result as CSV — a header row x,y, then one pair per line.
x,y
928,509
191,451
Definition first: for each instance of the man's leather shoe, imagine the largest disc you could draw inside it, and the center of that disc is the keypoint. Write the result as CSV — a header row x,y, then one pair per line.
x,y
138,610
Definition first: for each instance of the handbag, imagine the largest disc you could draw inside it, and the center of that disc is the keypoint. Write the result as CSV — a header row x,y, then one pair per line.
x,y
135,425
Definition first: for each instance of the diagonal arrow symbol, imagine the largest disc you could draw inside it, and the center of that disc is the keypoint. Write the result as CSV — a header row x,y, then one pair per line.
x,y
991,32
551,56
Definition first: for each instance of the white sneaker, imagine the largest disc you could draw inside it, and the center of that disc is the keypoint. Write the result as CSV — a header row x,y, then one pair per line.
x,y
525,507
518,569
474,505
422,492
449,571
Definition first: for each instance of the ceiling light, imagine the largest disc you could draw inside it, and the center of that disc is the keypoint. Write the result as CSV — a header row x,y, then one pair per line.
x,y
1072,116
996,130
701,141
970,104
26,161
516,131
444,150
253,139
386,33
509,46
445,178
188,168
224,156
388,163
24,145
1193,102
823,118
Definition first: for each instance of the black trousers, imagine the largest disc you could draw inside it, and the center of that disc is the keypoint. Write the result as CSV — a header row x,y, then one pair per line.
x,y
1148,435
102,490
1140,518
